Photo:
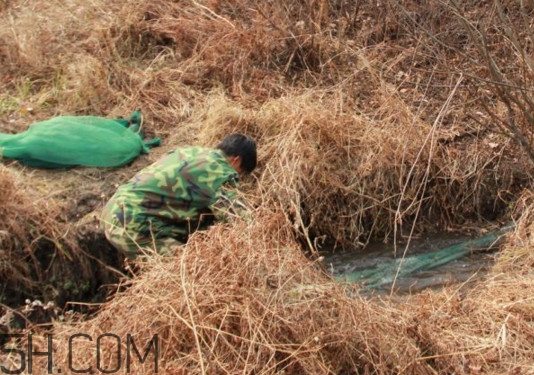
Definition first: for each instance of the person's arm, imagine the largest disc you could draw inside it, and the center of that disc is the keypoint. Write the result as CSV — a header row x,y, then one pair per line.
x,y
228,204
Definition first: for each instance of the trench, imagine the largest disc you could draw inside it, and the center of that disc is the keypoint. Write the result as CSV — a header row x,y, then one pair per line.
x,y
468,270
84,282
59,284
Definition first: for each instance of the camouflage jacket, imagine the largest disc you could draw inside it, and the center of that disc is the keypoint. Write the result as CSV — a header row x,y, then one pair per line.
x,y
184,191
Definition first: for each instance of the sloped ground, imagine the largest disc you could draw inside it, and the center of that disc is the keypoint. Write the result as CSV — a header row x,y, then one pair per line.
x,y
372,120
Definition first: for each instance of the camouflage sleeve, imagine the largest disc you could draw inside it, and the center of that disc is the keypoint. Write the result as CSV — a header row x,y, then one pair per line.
x,y
229,204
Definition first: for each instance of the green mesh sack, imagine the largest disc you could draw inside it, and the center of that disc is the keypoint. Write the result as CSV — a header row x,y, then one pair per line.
x,y
388,271
68,141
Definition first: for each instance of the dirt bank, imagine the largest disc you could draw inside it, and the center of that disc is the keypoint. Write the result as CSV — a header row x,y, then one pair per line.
x,y
374,122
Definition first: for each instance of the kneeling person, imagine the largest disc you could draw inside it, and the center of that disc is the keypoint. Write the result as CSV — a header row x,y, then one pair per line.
x,y
186,190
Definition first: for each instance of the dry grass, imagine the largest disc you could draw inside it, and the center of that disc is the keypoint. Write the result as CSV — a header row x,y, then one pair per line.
x,y
218,307
364,132
48,247
30,221
487,329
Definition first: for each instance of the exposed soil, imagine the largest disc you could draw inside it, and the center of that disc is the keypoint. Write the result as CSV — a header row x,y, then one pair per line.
x,y
374,121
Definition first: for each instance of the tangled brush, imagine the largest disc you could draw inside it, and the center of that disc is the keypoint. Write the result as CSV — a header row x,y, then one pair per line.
x,y
242,298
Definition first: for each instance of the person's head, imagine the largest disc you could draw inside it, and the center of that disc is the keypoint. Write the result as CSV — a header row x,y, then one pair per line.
x,y
240,151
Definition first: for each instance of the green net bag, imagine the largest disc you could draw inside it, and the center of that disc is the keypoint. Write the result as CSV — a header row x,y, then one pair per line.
x,y
68,141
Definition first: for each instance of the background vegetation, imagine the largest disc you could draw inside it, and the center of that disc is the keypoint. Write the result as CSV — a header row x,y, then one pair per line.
x,y
374,121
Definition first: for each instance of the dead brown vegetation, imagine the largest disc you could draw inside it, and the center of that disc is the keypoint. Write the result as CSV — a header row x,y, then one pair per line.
x,y
309,74
229,310
30,221
226,309
43,255
373,121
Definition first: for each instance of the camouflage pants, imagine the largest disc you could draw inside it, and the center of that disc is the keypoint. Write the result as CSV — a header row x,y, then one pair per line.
x,y
134,239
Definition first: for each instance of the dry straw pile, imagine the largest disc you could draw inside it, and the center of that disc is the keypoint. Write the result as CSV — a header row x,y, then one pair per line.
x,y
218,307
50,250
359,138
488,329
367,128
32,226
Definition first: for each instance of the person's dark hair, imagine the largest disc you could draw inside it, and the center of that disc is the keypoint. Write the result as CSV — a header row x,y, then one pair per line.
x,y
238,144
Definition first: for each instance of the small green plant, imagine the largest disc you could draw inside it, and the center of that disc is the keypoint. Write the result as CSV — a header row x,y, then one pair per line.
x,y
24,88
8,104
76,288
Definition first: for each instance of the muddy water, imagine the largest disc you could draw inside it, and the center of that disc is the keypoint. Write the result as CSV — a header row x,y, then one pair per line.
x,y
469,269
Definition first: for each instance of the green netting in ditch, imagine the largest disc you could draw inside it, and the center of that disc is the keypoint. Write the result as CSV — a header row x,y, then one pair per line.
x,y
387,272
67,141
